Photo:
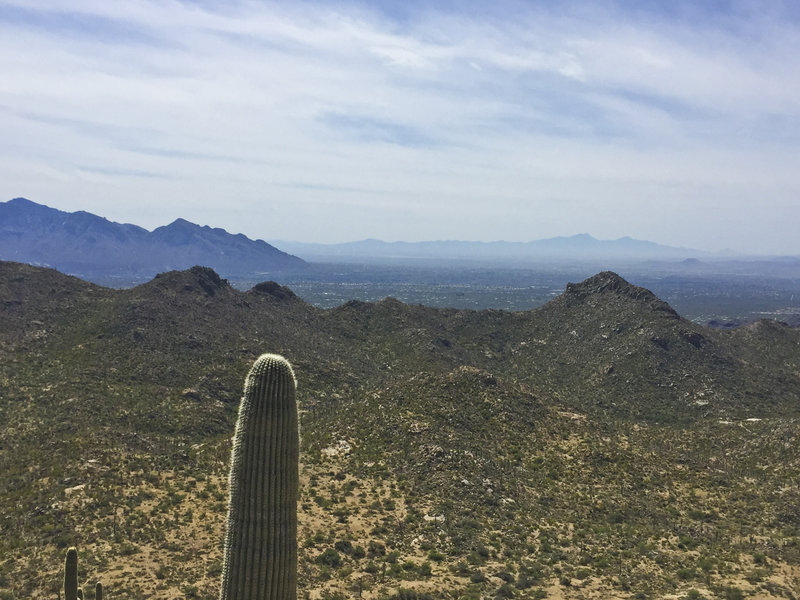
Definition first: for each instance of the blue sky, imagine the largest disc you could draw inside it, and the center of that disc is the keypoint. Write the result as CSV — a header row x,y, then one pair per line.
x,y
676,122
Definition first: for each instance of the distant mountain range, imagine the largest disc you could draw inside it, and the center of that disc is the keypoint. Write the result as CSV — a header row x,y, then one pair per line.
x,y
92,247
582,247
85,244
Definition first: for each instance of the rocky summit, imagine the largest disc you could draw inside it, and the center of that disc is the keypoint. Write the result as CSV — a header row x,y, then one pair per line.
x,y
600,446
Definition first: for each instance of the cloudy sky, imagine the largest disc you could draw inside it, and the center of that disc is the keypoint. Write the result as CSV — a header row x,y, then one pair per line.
x,y
676,122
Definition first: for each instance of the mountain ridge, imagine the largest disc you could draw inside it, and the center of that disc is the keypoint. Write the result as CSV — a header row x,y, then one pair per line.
x,y
603,314
579,247
88,245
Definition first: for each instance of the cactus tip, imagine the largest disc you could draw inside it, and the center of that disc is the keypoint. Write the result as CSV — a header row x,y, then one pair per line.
x,y
267,363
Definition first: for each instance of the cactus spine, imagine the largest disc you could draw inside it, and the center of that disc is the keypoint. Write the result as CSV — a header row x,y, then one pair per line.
x,y
261,537
71,574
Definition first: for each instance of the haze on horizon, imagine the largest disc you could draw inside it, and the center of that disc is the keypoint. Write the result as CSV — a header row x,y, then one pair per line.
x,y
674,122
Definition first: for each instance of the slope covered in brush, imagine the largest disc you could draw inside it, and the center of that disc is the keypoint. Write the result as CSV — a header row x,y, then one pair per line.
x,y
599,446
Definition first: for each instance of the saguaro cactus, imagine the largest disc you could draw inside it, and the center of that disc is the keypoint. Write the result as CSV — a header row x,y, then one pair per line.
x,y
71,589
261,538
71,574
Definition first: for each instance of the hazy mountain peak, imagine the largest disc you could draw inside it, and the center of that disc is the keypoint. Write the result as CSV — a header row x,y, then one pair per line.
x,y
22,202
601,282
22,211
180,232
181,222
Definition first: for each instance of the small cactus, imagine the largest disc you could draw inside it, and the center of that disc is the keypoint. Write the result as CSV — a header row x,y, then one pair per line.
x,y
71,589
71,575
261,537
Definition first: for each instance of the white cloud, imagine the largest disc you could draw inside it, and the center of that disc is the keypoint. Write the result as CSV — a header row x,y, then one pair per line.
x,y
350,124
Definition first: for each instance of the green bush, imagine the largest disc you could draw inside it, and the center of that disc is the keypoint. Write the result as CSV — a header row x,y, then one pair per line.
x,y
505,591
376,549
435,555
371,568
477,577
731,593
330,558
344,546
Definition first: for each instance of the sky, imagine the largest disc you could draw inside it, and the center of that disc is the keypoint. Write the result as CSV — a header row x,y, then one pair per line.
x,y
331,121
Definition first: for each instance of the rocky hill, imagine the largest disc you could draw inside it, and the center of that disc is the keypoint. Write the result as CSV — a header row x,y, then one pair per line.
x,y
597,447
84,244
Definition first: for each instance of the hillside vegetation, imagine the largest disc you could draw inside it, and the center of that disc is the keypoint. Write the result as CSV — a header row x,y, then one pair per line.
x,y
597,447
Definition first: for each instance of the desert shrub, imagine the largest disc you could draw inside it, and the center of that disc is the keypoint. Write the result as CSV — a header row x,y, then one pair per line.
x,y
344,546
435,555
756,576
376,549
731,593
215,569
477,577
505,576
409,565
344,573
330,558
505,591
371,568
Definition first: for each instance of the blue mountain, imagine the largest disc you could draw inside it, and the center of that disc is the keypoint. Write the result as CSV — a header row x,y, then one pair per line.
x,y
582,248
85,244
